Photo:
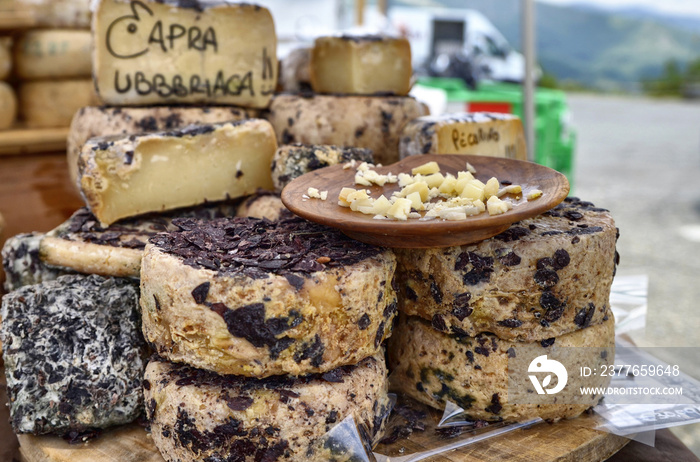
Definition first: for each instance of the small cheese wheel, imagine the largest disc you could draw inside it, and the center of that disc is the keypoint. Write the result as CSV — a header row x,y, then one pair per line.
x,y
480,133
6,60
361,65
473,372
57,53
197,415
73,14
373,122
263,204
264,298
8,106
46,103
93,121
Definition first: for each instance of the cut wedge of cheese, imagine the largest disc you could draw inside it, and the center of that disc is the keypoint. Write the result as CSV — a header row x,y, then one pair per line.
x,y
479,133
124,176
48,103
361,65
168,51
53,53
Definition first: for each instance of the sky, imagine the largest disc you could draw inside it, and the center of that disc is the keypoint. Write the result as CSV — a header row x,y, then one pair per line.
x,y
678,7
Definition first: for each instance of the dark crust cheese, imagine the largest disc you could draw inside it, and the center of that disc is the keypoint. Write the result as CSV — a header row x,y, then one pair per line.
x,y
256,247
73,354
198,415
543,277
292,161
22,264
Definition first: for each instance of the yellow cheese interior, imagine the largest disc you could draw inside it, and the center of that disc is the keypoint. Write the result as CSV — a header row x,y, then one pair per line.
x,y
498,138
340,65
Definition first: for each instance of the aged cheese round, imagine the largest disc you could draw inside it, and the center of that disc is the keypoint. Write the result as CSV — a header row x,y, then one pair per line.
x,y
22,264
543,277
472,372
6,60
197,415
373,122
73,354
58,13
93,121
8,106
294,70
81,244
53,53
47,103
293,160
258,298
263,204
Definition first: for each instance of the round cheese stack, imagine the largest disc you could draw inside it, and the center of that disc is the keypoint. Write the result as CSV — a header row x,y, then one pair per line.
x,y
93,121
373,122
8,106
199,415
53,53
541,278
472,372
258,298
263,204
46,104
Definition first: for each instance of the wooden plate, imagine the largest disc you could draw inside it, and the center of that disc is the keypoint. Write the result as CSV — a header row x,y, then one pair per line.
x,y
433,233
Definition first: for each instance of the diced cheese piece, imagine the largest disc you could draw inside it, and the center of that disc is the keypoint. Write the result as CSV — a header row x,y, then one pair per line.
x,y
8,106
381,205
420,187
514,189
480,133
416,202
473,190
496,206
448,184
434,180
361,65
53,53
373,122
400,209
343,197
491,187
534,194
129,175
52,103
169,51
426,169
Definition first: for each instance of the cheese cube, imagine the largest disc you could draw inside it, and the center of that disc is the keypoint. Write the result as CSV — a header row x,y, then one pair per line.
x,y
478,133
361,65
129,175
171,52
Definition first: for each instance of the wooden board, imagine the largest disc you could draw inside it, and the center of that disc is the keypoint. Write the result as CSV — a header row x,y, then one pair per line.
x,y
32,140
561,442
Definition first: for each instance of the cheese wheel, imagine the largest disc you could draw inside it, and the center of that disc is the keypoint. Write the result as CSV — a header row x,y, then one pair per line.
x,y
479,133
123,176
361,65
47,103
93,121
373,122
263,204
264,298
53,53
197,415
73,14
194,52
6,60
473,372
22,264
543,277
8,106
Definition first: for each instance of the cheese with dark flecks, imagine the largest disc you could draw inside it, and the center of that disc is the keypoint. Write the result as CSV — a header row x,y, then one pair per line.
x,y
479,133
128,175
73,354
22,263
170,51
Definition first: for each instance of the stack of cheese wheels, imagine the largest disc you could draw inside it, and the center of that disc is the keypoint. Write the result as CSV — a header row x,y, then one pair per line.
x,y
543,285
360,86
8,98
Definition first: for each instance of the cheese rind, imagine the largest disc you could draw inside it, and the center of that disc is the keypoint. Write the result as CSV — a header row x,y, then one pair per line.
x,y
48,54
543,277
361,65
47,103
93,121
155,52
372,122
124,176
265,298
22,264
263,204
479,133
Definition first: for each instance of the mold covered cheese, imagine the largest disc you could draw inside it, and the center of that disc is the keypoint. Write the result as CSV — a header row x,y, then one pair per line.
x,y
83,245
93,121
480,133
293,160
22,264
198,415
372,122
128,175
194,52
258,298
542,277
472,372
72,354
361,65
